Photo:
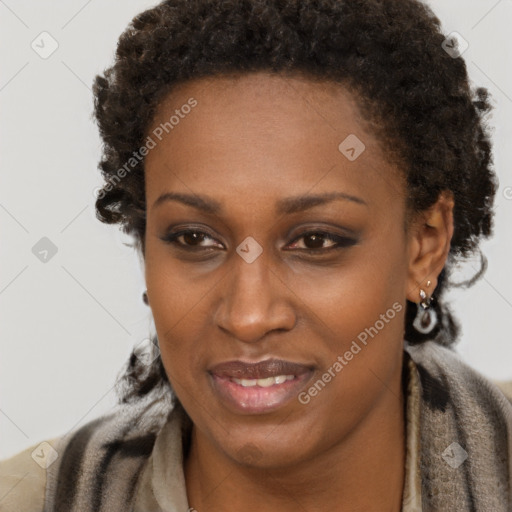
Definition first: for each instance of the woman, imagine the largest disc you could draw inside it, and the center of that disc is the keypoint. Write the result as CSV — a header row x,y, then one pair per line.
x,y
299,178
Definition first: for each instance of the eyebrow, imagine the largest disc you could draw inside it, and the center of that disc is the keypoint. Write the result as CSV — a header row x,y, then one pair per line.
x,y
285,206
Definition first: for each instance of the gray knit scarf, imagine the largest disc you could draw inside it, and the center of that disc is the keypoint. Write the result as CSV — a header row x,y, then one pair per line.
x,y
466,441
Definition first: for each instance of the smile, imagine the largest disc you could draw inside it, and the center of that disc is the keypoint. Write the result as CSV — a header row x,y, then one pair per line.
x,y
263,383
257,388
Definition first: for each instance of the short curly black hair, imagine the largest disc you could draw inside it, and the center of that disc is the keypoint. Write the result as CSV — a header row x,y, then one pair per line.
x,y
392,53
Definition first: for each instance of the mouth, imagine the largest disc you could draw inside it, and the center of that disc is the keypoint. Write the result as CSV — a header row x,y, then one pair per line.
x,y
256,388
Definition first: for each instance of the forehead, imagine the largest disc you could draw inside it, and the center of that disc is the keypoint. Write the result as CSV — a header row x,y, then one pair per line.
x,y
264,135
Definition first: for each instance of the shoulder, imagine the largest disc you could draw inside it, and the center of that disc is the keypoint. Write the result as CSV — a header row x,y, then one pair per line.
x,y
109,451
505,387
444,372
23,478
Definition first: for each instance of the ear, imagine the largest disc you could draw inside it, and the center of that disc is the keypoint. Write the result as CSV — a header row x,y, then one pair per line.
x,y
430,235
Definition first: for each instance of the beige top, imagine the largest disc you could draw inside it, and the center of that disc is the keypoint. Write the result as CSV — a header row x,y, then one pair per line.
x,y
162,484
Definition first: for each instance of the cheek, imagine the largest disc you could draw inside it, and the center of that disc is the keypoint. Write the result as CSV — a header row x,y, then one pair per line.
x,y
347,299
171,301
360,318
173,290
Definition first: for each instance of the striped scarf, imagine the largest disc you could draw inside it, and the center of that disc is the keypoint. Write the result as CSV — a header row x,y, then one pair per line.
x,y
466,440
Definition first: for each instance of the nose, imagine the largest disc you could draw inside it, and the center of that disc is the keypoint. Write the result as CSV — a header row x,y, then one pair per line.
x,y
255,301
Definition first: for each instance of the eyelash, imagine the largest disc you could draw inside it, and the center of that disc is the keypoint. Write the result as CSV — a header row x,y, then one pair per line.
x,y
341,241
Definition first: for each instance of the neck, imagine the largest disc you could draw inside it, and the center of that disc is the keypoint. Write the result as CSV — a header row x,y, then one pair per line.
x,y
362,472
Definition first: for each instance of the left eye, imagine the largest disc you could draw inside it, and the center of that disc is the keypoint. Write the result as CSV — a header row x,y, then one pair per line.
x,y
313,240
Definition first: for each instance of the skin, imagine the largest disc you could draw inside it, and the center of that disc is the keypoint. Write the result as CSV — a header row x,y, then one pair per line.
x,y
249,142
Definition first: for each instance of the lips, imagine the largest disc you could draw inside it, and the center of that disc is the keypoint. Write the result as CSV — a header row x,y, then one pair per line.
x,y
261,370
257,388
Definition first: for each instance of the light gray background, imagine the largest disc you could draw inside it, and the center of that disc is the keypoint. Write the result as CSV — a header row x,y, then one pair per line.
x,y
68,325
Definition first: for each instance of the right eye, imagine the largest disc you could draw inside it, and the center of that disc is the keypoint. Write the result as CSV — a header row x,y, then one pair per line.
x,y
188,239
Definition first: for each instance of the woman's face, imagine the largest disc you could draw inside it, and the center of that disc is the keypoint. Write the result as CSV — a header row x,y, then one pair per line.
x,y
255,278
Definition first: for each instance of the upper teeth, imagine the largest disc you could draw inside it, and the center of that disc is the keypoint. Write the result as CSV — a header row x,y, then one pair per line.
x,y
264,383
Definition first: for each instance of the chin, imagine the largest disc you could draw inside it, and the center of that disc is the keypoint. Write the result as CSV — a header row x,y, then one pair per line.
x,y
264,453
